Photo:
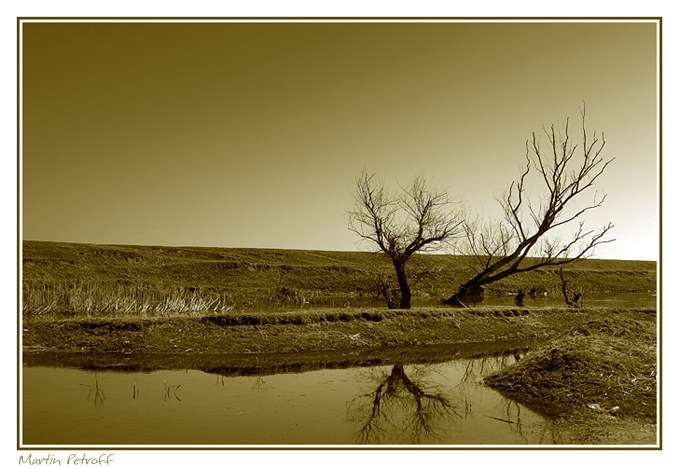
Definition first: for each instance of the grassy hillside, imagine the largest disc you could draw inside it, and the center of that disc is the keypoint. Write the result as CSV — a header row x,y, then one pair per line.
x,y
93,279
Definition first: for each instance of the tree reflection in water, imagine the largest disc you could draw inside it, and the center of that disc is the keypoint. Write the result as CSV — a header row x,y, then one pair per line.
x,y
476,369
507,411
401,410
406,408
510,411
96,392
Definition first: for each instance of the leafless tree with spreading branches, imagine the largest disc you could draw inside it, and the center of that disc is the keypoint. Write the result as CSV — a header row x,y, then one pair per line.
x,y
519,242
417,218
401,407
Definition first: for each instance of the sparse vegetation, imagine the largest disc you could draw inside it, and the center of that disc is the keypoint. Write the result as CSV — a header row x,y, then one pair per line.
x,y
197,303
79,280
605,366
101,299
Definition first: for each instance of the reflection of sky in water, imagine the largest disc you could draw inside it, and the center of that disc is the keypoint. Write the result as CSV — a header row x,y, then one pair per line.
x,y
427,404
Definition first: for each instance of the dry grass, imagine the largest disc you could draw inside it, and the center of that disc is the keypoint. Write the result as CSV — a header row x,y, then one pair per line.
x,y
99,300
88,299
106,280
606,366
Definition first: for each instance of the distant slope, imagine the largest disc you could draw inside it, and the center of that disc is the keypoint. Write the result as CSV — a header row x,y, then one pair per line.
x,y
252,274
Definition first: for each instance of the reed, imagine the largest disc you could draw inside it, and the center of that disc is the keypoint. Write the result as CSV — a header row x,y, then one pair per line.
x,y
55,299
90,299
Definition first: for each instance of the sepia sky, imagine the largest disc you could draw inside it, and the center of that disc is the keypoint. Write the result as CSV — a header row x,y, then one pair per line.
x,y
252,134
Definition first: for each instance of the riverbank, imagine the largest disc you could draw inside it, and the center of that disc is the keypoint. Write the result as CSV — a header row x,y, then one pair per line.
x,y
312,330
602,357
598,380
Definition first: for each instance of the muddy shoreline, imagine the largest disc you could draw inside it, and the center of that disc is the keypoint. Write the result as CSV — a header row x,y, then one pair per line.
x,y
252,344
330,330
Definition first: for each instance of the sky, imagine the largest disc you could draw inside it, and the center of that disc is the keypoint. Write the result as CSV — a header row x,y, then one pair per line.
x,y
235,134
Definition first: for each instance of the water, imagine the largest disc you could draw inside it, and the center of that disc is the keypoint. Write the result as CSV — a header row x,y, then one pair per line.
x,y
304,400
628,300
631,300
428,403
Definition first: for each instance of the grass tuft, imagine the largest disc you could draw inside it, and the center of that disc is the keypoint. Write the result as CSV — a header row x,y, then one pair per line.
x,y
601,365
88,299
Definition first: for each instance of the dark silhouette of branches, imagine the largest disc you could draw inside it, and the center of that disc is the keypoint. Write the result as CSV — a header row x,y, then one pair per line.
x,y
576,301
417,218
96,392
519,242
381,285
400,405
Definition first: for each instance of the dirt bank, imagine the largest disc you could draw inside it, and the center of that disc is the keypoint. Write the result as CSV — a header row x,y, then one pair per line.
x,y
598,379
593,411
326,330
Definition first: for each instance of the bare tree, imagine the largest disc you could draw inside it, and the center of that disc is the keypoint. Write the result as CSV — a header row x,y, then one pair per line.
x,y
381,285
577,300
417,218
401,407
519,241
379,282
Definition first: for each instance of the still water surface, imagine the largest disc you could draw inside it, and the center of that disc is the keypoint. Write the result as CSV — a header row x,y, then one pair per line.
x,y
633,300
622,300
442,403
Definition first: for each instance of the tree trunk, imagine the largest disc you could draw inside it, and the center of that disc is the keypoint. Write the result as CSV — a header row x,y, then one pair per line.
x,y
472,291
405,300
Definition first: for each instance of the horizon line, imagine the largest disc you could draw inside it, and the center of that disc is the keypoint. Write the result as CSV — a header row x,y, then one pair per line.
x,y
185,246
